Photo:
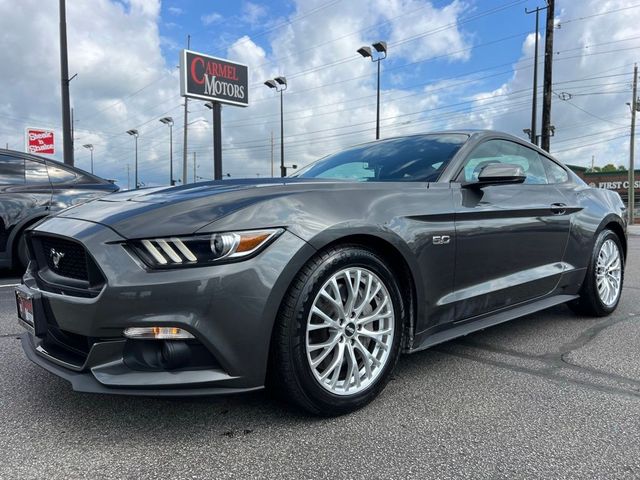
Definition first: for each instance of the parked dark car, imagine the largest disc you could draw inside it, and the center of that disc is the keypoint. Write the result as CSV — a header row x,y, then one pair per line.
x,y
316,284
32,187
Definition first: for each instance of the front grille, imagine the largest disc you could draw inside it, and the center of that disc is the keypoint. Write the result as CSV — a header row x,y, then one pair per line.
x,y
62,265
70,256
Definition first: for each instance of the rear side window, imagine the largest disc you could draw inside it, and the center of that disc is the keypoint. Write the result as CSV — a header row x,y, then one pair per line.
x,y
60,175
555,173
35,173
11,170
504,151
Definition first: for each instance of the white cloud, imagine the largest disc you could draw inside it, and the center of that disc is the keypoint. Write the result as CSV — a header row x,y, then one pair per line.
x,y
252,13
115,51
211,18
596,113
124,82
175,10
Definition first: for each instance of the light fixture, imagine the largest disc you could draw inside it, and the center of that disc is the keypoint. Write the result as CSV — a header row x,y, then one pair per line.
x,y
380,46
157,333
365,51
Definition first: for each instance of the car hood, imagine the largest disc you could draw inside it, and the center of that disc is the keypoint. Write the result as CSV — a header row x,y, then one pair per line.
x,y
185,209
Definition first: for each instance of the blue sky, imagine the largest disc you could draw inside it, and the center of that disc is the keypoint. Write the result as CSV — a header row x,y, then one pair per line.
x,y
451,64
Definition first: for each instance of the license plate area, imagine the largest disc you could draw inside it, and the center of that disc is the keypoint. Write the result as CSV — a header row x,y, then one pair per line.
x,y
30,310
25,308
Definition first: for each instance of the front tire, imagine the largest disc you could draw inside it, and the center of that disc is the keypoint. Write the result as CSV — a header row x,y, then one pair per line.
x,y
602,286
339,332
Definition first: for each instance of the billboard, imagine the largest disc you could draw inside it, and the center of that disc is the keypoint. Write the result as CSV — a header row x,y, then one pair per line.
x,y
40,141
213,79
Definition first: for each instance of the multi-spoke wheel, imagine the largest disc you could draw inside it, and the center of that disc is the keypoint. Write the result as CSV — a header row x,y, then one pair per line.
x,y
609,272
602,285
350,330
339,332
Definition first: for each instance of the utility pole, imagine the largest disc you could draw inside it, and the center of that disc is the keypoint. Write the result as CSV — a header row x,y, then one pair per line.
x,y
128,177
548,77
186,120
67,142
194,167
593,161
534,102
271,153
635,105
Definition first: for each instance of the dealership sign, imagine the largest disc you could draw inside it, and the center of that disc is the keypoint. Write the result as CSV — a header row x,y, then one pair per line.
x,y
40,141
213,79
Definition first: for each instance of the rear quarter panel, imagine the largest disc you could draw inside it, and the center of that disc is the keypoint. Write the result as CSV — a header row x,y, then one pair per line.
x,y
600,207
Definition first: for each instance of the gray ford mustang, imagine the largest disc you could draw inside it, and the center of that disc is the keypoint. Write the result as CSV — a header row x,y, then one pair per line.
x,y
316,283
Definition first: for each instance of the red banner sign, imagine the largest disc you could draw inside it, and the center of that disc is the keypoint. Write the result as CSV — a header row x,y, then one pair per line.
x,y
40,141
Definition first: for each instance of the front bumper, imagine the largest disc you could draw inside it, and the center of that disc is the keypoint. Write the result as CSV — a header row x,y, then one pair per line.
x,y
230,309
86,381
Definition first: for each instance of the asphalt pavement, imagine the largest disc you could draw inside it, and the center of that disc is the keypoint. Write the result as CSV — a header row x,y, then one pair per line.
x,y
551,395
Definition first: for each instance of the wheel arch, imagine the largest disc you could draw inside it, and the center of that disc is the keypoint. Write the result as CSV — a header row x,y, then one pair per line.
x,y
616,225
396,254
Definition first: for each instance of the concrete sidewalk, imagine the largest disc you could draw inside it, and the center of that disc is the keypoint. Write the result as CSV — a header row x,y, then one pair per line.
x,y
633,229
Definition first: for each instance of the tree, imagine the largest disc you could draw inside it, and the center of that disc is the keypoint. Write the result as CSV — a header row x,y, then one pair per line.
x,y
609,167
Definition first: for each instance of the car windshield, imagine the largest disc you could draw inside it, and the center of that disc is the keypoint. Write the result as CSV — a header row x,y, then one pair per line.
x,y
420,158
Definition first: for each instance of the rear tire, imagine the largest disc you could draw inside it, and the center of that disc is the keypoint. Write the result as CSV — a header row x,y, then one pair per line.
x,y
336,343
602,286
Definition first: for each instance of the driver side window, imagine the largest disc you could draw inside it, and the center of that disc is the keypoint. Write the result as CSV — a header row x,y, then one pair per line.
x,y
504,151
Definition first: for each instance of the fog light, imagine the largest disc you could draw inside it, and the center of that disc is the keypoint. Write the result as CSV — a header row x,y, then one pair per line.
x,y
157,333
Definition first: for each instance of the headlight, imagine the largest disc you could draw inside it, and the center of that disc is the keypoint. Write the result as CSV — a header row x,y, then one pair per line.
x,y
201,250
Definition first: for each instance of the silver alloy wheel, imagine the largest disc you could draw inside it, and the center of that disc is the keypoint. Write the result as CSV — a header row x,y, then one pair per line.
x,y
350,331
609,272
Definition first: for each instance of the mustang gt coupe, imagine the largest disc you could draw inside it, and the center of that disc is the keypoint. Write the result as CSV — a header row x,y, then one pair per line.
x,y
314,284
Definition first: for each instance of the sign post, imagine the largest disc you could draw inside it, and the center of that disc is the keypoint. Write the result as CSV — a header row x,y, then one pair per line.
x,y
217,81
40,141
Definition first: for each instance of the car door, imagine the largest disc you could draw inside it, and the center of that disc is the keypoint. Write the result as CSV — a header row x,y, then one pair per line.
x,y
510,238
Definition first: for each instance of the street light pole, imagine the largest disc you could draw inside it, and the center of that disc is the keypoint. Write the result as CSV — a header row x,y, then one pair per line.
x,y
283,169
169,121
90,147
134,133
280,85
366,52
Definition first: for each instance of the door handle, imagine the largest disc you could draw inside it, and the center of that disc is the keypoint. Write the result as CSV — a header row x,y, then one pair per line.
x,y
558,208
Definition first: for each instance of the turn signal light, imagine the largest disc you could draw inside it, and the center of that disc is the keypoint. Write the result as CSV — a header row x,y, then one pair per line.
x,y
157,333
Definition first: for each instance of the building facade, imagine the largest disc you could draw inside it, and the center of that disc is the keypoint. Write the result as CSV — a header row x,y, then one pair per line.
x,y
616,181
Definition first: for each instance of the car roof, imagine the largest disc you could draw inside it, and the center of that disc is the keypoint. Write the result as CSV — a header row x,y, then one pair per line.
x,y
38,158
475,134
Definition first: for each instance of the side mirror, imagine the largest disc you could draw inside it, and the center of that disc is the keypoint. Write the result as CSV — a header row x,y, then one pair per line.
x,y
497,174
